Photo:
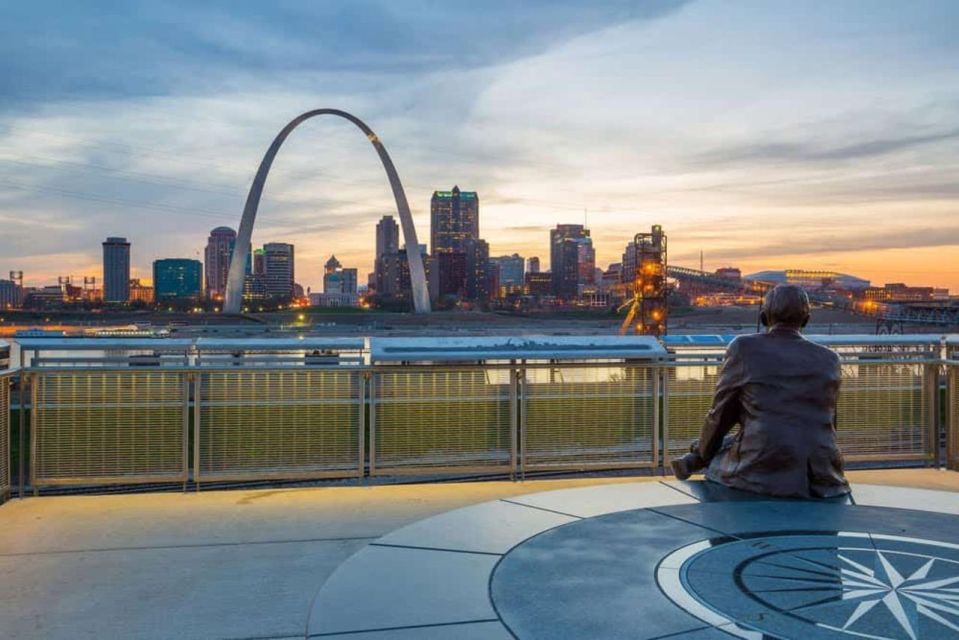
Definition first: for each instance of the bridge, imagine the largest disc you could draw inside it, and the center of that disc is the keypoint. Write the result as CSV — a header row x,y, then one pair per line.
x,y
913,314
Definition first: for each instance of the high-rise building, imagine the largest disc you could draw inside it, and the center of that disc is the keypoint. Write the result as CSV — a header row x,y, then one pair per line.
x,y
449,275
259,262
387,243
532,265
387,236
509,274
454,219
219,251
510,269
278,269
116,270
572,260
177,280
477,270
11,295
396,273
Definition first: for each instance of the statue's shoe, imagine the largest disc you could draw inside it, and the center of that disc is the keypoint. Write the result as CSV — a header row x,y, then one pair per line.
x,y
681,468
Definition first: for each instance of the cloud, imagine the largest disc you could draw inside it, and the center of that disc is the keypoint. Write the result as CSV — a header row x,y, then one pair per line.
x,y
824,151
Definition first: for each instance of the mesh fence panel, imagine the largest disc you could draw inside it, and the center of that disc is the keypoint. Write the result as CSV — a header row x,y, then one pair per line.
x,y
442,418
108,427
4,436
883,412
595,416
272,424
689,394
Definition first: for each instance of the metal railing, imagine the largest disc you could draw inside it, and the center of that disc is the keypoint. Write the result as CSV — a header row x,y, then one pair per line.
x,y
150,411
887,407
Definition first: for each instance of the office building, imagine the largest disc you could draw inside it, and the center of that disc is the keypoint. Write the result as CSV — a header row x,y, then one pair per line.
x,y
449,275
508,273
219,251
396,274
539,284
177,280
532,265
339,286
387,243
278,270
387,236
116,270
454,219
11,295
478,281
572,260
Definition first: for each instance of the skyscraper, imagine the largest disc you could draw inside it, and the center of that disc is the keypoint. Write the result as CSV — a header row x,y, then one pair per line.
x,y
508,271
396,273
477,269
454,219
116,270
572,259
278,269
532,265
387,236
219,251
177,280
387,243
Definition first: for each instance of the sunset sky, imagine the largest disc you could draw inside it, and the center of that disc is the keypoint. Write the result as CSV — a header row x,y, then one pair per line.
x,y
766,134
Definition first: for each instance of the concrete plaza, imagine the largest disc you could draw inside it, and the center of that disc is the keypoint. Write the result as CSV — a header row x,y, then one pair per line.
x,y
217,565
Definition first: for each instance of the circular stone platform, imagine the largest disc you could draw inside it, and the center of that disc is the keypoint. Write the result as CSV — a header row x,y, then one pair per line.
x,y
657,560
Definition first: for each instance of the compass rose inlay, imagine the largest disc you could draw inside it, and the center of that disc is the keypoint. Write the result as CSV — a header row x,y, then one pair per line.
x,y
816,585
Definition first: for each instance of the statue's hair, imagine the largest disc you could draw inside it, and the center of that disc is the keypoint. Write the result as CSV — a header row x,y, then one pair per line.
x,y
786,304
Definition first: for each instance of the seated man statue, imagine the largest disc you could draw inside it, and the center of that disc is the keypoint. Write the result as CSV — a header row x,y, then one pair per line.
x,y
781,390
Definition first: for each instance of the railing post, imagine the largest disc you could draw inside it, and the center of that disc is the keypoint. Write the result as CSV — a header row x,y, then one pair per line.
x,y
930,378
513,421
22,434
185,446
6,488
34,386
664,372
952,417
197,407
372,465
363,380
523,397
655,373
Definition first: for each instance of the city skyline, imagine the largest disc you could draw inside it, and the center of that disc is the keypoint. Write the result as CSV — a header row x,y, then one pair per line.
x,y
833,148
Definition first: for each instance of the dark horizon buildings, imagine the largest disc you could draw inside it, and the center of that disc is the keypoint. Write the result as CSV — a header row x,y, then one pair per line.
x,y
116,270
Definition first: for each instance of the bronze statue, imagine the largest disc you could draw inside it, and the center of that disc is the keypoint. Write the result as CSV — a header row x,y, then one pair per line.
x,y
781,390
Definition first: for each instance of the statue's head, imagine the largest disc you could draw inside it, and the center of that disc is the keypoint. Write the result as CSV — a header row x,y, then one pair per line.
x,y
786,305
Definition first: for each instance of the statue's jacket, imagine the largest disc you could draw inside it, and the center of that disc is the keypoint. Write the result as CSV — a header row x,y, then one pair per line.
x,y
782,390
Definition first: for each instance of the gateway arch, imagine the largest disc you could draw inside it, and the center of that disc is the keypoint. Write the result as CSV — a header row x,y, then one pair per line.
x,y
234,283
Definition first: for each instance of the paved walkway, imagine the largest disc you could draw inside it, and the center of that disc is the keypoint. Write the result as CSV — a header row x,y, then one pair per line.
x,y
226,564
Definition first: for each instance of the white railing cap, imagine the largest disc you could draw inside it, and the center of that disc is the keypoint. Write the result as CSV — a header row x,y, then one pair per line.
x,y
68,343
279,344
535,347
